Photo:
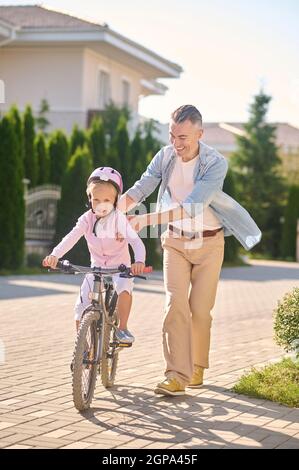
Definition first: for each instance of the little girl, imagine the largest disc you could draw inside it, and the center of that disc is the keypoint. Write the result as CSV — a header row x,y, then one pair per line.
x,y
108,235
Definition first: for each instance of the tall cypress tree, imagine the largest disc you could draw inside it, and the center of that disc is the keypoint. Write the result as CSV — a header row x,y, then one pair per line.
x,y
19,233
151,143
121,149
12,202
111,116
58,151
259,185
77,139
151,146
97,142
231,244
138,158
72,203
43,159
30,158
16,120
289,231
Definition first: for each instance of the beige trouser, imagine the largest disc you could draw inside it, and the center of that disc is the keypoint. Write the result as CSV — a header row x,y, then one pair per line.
x,y
191,274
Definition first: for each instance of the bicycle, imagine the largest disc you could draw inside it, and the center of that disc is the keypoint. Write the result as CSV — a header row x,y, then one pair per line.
x,y
96,348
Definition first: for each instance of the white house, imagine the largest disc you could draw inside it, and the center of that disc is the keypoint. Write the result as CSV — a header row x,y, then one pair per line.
x,y
76,65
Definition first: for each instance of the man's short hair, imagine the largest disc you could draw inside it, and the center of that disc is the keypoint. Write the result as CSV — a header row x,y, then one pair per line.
x,y
187,112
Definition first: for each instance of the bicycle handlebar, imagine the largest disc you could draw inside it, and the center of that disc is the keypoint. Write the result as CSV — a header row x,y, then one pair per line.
x,y
68,268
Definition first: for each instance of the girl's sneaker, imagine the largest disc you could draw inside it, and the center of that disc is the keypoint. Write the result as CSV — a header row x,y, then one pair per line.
x,y
124,336
129,336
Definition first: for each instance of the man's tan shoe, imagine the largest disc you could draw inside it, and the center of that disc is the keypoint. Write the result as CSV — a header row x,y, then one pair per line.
x,y
170,387
197,377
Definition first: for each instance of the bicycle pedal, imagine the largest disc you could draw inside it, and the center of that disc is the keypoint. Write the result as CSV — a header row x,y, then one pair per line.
x,y
125,345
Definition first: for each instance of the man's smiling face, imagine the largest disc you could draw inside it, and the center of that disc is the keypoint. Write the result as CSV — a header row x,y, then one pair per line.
x,y
184,136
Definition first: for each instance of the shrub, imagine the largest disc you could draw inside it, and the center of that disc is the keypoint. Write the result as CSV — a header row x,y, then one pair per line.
x,y
286,322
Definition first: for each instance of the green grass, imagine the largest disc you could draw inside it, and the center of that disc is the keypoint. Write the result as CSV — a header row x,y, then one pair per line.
x,y
277,382
235,264
268,257
24,270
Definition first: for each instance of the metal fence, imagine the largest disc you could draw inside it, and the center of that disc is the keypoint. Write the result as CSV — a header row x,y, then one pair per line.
x,y
41,212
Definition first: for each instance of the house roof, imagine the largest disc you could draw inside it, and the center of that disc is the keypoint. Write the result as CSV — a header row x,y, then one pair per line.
x,y
34,24
35,16
286,134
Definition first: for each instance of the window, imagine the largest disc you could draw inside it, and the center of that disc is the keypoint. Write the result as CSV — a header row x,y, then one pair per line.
x,y
104,89
125,93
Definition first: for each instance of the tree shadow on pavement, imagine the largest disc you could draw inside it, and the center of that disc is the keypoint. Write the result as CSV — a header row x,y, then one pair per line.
x,y
189,421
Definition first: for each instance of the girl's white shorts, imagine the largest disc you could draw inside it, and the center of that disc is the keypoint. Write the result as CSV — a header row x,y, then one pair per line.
x,y
121,284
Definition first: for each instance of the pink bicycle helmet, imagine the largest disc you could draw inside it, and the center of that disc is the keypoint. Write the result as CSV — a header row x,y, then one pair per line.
x,y
106,173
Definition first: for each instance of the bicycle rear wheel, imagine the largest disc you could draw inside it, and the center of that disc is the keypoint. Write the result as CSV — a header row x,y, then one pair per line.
x,y
84,365
110,354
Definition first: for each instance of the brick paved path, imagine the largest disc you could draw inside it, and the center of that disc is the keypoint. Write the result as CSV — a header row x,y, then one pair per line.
x,y
37,332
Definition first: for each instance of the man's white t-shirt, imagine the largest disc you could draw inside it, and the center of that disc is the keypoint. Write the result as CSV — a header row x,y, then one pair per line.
x,y
181,184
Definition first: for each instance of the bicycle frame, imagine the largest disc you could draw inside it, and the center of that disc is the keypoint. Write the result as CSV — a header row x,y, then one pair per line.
x,y
98,305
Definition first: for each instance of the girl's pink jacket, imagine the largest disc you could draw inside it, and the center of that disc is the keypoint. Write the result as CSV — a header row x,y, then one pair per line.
x,y
105,250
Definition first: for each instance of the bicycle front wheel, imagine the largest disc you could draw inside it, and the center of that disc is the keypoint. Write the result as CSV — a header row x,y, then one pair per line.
x,y
84,361
110,353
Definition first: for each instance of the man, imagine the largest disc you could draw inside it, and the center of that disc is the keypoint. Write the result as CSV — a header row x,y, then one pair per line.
x,y
198,215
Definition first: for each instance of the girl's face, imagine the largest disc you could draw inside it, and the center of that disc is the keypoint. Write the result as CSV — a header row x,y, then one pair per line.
x,y
102,198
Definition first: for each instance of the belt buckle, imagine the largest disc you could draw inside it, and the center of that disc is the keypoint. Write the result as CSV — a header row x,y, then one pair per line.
x,y
184,234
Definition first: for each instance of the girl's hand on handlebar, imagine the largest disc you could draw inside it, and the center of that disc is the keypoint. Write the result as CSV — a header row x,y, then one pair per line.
x,y
137,268
50,261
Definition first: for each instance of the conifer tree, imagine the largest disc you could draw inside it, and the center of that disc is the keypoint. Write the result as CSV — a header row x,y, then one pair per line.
x,y
43,159
97,142
73,202
30,157
78,139
260,187
58,152
289,231
12,198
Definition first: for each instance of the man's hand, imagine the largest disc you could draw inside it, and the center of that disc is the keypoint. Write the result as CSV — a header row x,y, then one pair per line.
x,y
125,203
50,261
137,268
137,222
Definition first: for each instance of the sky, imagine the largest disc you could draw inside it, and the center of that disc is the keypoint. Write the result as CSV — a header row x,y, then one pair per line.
x,y
228,50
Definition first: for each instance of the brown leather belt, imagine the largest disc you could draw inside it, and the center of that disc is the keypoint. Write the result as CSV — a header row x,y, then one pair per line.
x,y
192,235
